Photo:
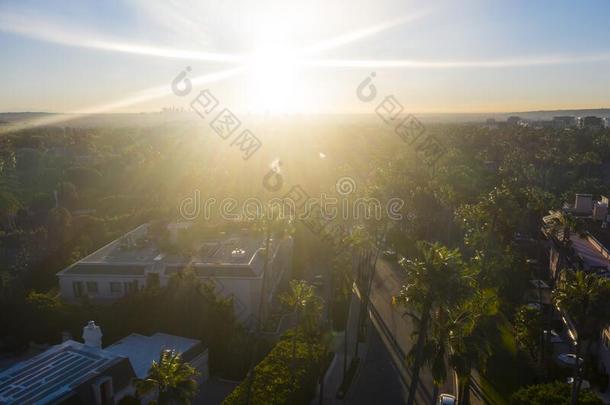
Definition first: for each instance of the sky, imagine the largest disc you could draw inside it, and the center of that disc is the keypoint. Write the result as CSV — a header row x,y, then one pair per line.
x,y
304,57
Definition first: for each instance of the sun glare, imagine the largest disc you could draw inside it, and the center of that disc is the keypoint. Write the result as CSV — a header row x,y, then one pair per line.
x,y
275,82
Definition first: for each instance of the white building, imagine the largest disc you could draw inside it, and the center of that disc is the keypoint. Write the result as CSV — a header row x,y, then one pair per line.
x,y
233,263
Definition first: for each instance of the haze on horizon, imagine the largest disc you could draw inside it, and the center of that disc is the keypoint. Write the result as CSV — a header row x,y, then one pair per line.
x,y
305,57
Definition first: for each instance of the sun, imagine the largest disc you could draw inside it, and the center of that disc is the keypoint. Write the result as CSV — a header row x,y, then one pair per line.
x,y
275,81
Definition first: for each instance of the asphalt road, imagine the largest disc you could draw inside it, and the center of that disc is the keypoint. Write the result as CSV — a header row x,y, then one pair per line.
x,y
377,381
395,330
383,376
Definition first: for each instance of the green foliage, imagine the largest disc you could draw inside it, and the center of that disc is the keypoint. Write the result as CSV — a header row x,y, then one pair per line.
x,y
129,400
441,297
507,369
528,329
46,315
83,177
273,382
556,393
490,186
306,304
67,195
186,307
585,298
173,380
342,281
437,278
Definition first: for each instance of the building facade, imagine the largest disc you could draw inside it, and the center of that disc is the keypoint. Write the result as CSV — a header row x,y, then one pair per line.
x,y
233,263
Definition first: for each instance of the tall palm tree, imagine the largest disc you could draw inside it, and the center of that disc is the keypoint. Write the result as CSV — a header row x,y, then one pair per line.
x,y
584,298
303,301
173,379
561,225
469,347
342,283
271,222
454,336
439,278
436,349
367,244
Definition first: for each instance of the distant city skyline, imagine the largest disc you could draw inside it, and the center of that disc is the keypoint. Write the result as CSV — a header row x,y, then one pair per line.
x,y
305,57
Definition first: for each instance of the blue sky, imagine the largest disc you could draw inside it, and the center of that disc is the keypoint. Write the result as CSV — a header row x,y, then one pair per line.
x,y
477,56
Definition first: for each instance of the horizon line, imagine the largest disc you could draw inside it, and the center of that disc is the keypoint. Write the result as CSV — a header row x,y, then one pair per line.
x,y
159,111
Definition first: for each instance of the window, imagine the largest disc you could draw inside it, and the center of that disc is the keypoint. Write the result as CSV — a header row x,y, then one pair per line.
x,y
131,287
77,288
92,287
115,287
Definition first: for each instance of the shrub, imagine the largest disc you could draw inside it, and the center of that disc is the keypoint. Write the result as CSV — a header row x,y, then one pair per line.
x,y
273,382
556,393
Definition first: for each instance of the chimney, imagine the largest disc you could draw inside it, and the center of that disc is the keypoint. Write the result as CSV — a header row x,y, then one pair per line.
x,y
583,203
92,335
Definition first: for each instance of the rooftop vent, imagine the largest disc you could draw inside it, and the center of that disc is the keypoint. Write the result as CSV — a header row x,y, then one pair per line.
x,y
238,252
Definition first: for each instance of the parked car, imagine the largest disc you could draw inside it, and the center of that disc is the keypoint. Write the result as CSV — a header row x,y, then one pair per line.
x,y
447,399
568,359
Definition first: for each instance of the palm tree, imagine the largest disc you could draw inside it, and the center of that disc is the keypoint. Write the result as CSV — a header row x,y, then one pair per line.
x,y
312,316
439,279
172,379
584,298
302,300
561,225
435,351
268,224
341,288
454,336
366,244
469,347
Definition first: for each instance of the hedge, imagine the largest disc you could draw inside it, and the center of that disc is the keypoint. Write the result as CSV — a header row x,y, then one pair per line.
x,y
273,382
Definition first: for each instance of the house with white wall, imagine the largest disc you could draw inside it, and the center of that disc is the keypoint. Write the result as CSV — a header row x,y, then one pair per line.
x,y
233,262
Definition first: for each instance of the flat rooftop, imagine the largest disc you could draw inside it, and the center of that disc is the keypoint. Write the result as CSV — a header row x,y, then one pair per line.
x,y
142,350
52,375
236,250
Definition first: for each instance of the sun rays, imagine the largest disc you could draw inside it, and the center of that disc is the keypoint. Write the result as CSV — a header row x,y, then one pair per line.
x,y
273,70
133,99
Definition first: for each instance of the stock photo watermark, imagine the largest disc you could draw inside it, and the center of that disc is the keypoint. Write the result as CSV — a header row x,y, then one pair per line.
x,y
406,126
295,204
225,123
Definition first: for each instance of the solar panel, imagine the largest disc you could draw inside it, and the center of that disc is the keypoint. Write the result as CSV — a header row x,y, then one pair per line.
x,y
51,375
